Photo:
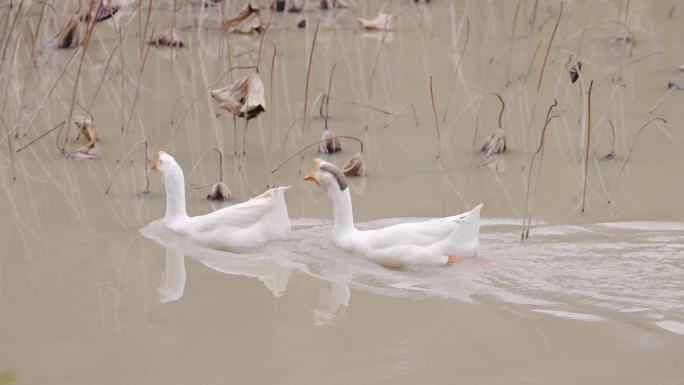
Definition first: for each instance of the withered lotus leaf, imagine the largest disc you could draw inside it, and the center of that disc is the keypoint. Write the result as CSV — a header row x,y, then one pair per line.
x,y
297,6
383,22
247,20
278,6
244,98
220,192
332,4
355,166
103,13
87,128
574,71
496,143
329,143
69,36
168,38
87,151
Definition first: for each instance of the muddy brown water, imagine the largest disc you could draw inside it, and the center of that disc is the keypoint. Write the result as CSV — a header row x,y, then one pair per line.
x,y
94,290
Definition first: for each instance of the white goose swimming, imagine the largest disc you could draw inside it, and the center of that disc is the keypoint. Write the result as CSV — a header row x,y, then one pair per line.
x,y
246,225
439,241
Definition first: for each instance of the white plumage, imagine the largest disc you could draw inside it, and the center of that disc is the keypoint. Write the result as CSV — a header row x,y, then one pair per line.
x,y
438,241
250,224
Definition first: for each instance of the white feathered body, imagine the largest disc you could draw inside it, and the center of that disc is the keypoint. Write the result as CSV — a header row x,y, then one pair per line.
x,y
250,224
247,225
426,243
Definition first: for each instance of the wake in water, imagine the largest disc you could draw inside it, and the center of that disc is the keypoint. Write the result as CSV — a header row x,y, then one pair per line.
x,y
566,271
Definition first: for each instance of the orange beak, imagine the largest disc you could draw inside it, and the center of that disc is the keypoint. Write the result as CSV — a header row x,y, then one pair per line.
x,y
155,162
311,177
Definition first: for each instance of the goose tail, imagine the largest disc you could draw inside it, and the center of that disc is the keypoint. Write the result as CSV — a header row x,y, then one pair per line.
x,y
464,241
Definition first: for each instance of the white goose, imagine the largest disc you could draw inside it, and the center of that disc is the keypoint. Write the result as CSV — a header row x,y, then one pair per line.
x,y
246,225
439,241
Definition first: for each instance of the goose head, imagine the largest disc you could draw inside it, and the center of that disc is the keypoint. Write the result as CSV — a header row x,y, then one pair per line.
x,y
165,164
327,175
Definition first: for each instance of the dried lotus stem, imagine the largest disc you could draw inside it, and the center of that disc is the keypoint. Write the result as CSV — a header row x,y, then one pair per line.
x,y
434,113
527,219
624,162
123,161
306,86
194,167
611,154
9,144
327,96
311,145
57,126
586,151
671,87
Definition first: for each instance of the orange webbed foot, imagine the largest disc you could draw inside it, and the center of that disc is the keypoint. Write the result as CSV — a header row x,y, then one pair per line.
x,y
452,260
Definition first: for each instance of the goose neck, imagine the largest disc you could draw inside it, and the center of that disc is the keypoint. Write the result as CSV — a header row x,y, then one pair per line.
x,y
174,184
342,209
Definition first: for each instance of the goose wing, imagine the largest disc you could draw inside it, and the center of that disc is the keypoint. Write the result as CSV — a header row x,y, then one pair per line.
x,y
422,234
242,215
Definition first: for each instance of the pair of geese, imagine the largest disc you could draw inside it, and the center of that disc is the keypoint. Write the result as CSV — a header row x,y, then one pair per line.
x,y
263,219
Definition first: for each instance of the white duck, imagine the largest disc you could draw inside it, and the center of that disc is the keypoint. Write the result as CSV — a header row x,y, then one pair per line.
x,y
246,225
439,241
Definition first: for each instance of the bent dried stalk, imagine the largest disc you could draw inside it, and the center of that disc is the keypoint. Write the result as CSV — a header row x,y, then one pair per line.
x,y
393,118
327,97
434,113
527,218
372,77
586,151
219,191
624,162
314,144
306,86
57,126
9,145
611,154
470,102
123,161
458,66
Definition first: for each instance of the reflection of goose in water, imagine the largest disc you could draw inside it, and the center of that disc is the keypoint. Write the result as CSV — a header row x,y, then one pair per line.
x,y
578,272
267,264
173,278
272,265
331,303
